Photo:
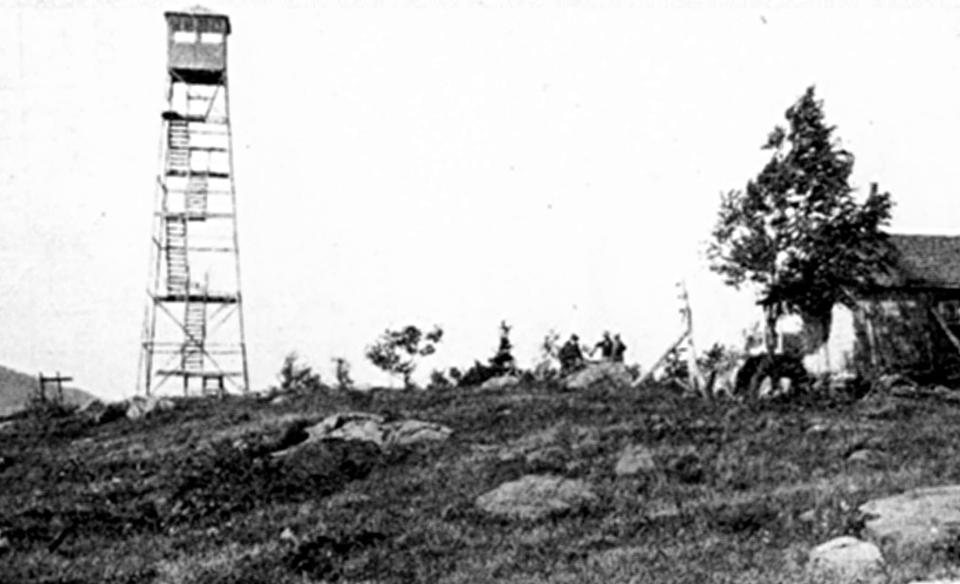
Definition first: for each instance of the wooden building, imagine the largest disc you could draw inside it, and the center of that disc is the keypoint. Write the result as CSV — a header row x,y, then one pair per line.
x,y
909,322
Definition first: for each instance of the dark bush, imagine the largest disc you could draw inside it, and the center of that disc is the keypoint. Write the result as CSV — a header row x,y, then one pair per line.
x,y
774,367
220,480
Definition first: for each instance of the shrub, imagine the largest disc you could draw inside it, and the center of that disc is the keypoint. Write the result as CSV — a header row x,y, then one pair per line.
x,y
295,377
438,380
220,479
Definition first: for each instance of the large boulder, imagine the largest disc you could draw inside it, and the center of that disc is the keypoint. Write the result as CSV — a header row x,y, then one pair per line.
x,y
608,372
919,518
846,560
536,497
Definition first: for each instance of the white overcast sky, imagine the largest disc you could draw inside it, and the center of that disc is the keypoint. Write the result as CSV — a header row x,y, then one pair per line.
x,y
554,164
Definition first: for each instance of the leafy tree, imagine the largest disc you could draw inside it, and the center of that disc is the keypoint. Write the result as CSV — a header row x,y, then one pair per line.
x,y
796,230
396,351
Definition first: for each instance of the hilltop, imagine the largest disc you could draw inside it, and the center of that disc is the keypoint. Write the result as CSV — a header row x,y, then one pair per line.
x,y
719,492
16,390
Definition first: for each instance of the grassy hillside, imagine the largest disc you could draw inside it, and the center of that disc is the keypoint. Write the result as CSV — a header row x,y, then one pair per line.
x,y
17,388
739,494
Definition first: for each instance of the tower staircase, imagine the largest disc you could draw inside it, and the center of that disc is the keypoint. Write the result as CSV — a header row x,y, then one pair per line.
x,y
194,328
178,271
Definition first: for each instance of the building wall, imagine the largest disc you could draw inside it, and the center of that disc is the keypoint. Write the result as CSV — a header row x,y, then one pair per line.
x,y
836,356
892,332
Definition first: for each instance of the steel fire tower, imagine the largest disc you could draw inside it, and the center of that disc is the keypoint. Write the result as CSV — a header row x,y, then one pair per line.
x,y
193,329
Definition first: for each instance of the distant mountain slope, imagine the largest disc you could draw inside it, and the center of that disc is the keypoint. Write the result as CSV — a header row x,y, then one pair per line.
x,y
16,389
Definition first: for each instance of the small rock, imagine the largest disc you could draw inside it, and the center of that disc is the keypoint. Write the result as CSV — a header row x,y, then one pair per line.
x,y
808,516
347,499
865,456
287,535
500,382
140,407
4,544
846,559
536,497
635,459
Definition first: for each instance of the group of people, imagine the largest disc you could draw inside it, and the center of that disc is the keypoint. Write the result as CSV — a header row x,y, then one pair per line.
x,y
571,355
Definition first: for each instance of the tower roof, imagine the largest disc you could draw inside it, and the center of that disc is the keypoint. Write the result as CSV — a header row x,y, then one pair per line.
x,y
204,19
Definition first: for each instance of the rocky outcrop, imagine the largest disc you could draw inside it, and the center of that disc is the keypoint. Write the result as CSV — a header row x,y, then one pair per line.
x,y
536,497
920,518
374,429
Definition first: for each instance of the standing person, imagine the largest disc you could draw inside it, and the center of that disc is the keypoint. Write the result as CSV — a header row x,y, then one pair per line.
x,y
606,347
571,358
619,348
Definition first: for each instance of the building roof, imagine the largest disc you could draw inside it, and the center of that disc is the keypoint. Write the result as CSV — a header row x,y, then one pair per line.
x,y
925,261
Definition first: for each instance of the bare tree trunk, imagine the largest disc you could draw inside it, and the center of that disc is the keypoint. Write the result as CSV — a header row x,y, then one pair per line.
x,y
771,314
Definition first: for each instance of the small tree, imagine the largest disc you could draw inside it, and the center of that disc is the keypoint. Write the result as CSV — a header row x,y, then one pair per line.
x,y
294,376
502,361
796,231
396,351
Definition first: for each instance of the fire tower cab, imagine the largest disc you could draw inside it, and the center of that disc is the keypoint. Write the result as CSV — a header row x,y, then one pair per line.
x,y
197,45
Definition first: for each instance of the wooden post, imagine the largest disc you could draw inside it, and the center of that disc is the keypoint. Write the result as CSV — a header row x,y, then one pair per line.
x,y
946,329
43,381
696,376
697,382
649,374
